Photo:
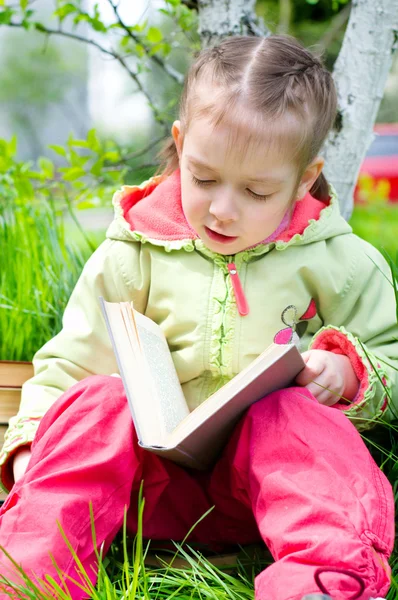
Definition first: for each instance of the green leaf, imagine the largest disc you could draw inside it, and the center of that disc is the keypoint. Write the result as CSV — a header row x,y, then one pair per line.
x,y
6,16
72,173
154,35
39,27
63,11
23,4
46,166
79,185
186,17
112,156
138,28
24,188
161,48
86,204
33,175
25,167
78,143
97,167
115,176
3,147
140,51
93,141
97,25
27,24
125,41
58,149
165,48
76,159
12,146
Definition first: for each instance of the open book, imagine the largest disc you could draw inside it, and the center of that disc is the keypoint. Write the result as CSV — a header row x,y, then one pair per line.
x,y
159,410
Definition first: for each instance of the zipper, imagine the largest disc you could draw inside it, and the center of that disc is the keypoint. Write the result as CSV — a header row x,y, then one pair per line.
x,y
241,302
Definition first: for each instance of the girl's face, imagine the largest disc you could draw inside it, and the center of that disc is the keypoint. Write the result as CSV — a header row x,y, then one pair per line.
x,y
235,199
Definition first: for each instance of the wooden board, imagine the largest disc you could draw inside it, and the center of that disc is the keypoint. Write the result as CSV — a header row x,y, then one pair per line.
x,y
14,374
9,403
3,428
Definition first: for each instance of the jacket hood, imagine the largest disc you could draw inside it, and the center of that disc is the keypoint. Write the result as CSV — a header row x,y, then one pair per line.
x,y
152,213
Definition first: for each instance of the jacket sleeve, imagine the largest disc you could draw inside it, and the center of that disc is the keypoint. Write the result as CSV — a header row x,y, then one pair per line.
x,y
118,271
363,326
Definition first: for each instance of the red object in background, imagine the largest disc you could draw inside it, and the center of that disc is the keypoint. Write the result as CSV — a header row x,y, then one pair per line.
x,y
381,160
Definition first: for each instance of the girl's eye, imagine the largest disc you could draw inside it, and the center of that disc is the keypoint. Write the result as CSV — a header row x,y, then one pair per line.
x,y
205,182
259,196
201,182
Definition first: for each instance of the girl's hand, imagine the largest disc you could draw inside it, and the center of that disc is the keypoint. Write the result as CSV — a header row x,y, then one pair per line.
x,y
21,460
331,371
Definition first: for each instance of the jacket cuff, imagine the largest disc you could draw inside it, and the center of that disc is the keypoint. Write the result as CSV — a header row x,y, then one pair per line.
x,y
21,432
373,394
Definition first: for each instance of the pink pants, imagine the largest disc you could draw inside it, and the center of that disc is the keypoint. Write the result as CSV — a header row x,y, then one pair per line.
x,y
295,473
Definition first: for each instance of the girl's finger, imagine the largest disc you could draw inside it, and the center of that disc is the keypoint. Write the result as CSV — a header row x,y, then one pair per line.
x,y
328,397
306,355
325,392
313,369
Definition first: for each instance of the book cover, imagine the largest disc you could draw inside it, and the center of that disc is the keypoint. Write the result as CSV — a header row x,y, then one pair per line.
x,y
160,413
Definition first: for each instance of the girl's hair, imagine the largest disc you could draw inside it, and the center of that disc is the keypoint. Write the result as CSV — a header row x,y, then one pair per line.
x,y
254,82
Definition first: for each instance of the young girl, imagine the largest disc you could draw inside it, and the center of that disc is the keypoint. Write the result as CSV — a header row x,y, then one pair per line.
x,y
237,244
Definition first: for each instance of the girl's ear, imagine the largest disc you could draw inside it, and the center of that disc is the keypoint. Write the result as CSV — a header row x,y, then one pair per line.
x,y
177,136
309,177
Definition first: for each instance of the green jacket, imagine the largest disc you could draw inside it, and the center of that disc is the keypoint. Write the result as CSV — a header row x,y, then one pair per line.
x,y
316,282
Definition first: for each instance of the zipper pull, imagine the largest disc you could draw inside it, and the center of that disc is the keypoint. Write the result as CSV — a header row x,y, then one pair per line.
x,y
240,297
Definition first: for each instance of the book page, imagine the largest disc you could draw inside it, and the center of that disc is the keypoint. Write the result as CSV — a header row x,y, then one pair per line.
x,y
141,403
165,383
155,396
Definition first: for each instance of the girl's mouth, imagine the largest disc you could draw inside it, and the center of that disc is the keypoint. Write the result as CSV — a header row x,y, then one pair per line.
x,y
219,237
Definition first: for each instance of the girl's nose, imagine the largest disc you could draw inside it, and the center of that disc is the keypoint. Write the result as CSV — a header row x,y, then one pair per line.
x,y
223,206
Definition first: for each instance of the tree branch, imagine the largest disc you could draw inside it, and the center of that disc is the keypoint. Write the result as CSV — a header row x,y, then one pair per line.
x,y
90,42
173,73
138,153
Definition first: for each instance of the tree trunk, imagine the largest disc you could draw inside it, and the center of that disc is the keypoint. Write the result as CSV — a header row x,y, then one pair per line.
x,y
360,75
222,18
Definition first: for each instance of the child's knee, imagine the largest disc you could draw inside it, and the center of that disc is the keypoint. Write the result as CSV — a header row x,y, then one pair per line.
x,y
96,393
95,383
100,390
282,407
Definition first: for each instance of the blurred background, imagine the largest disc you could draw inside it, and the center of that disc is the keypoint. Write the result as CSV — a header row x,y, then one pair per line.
x,y
84,109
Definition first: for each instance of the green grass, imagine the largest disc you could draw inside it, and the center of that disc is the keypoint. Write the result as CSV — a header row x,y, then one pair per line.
x,y
40,266
378,224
